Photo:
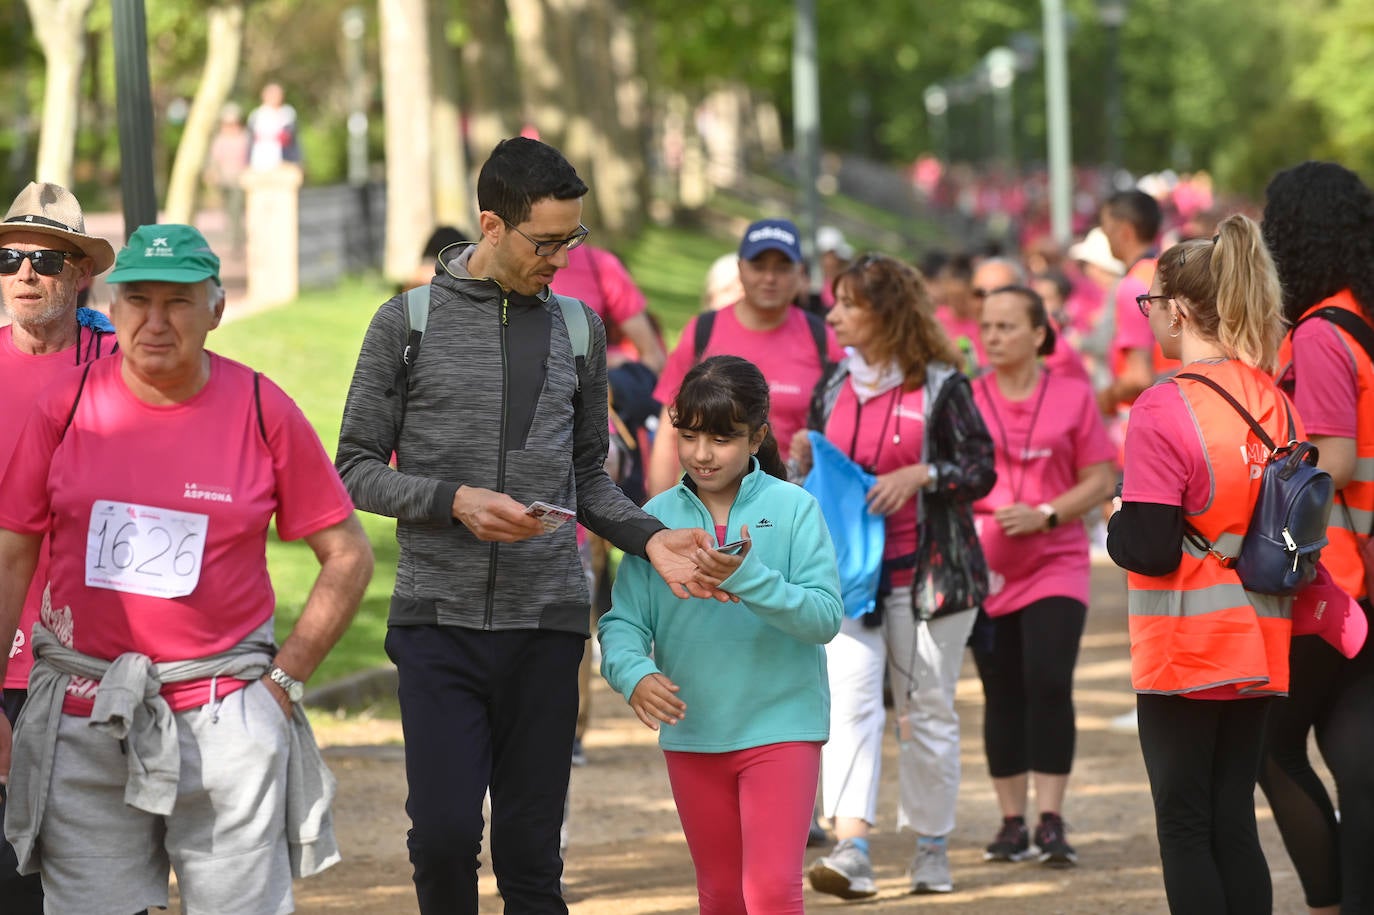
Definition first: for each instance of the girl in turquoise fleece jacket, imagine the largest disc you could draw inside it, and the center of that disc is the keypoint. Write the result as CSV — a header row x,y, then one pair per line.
x,y
741,686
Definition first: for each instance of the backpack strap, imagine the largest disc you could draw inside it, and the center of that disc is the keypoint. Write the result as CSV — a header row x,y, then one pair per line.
x,y
71,414
1350,323
579,331
1244,413
257,402
417,319
706,322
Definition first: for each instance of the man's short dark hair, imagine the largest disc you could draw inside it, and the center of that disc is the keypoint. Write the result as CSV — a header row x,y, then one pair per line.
x,y
1139,210
521,172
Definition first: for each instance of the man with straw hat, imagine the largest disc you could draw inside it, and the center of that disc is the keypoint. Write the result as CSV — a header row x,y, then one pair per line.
x,y
46,259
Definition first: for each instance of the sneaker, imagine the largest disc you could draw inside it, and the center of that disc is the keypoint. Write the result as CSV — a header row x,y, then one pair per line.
x,y
579,755
1055,850
845,872
930,869
1012,842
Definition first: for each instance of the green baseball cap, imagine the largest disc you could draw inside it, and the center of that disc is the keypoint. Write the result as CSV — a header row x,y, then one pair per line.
x,y
172,253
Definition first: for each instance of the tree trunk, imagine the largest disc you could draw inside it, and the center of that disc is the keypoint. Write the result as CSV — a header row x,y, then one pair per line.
x,y
491,81
452,200
224,46
60,28
406,98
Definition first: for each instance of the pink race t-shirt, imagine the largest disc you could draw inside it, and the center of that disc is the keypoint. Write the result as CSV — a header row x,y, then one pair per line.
x,y
1328,382
22,377
960,329
598,278
1132,327
882,435
159,514
786,355
1166,465
1041,445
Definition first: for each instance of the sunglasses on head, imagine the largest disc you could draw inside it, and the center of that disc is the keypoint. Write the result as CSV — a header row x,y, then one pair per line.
x,y
46,261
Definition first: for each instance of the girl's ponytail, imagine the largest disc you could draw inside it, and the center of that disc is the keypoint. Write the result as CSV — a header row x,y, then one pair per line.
x,y
770,458
1249,299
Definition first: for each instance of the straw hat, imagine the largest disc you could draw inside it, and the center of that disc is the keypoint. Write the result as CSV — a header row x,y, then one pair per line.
x,y
50,209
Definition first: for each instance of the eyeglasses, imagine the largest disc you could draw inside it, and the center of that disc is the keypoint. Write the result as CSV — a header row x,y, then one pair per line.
x,y
1143,302
552,247
46,261
981,293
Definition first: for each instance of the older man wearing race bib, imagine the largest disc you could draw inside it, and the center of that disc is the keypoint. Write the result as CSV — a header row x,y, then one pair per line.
x,y
163,725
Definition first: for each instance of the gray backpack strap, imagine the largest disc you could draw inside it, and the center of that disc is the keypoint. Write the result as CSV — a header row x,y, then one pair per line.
x,y
579,331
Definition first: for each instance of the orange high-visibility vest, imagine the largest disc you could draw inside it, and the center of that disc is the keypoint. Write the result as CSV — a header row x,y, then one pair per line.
x,y
1197,628
1349,522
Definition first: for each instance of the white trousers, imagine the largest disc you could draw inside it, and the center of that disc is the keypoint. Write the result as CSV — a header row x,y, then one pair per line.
x,y
923,659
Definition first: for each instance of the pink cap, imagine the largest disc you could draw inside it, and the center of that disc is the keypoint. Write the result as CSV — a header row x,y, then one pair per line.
x,y
1323,609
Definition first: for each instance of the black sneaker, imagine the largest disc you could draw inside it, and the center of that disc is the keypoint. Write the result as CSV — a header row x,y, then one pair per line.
x,y
1012,842
1055,850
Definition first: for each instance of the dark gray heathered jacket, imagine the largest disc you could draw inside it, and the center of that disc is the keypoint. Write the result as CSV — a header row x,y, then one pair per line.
x,y
493,403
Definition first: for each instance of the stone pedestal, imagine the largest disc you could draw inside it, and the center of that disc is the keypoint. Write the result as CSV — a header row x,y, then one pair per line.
x,y
272,217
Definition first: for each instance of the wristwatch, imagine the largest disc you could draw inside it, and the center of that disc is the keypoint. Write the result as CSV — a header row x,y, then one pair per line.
x,y
295,689
1051,516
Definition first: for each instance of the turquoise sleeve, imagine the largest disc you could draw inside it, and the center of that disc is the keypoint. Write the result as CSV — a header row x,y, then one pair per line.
x,y
627,631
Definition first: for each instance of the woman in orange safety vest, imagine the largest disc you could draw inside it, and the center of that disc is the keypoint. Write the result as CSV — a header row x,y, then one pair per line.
x,y
1206,654
1319,225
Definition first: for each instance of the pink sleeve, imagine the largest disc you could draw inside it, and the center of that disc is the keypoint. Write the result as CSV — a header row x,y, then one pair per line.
x,y
1091,444
1157,461
1132,327
1327,391
679,363
310,495
619,294
26,506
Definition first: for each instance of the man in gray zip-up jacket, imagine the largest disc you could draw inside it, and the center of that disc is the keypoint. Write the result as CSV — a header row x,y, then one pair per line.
x,y
490,613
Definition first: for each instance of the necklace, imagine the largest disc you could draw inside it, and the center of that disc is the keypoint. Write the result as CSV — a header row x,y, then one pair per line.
x,y
1013,462
893,406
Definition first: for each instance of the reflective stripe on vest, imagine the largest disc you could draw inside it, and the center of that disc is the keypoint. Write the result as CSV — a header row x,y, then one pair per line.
x,y
1197,628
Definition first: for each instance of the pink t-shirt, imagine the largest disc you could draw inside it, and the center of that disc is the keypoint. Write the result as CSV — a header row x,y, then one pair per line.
x,y
1041,444
1132,327
597,277
786,355
159,514
22,376
882,435
1327,395
960,329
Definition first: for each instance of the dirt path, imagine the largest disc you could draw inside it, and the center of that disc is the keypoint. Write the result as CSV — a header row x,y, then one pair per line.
x,y
628,855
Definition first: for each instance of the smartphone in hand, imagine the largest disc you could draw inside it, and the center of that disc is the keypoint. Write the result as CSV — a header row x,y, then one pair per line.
x,y
732,549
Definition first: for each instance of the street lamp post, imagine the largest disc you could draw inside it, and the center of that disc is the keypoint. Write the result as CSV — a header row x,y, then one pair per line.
x,y
1057,115
806,125
1001,67
134,101
937,110
1113,15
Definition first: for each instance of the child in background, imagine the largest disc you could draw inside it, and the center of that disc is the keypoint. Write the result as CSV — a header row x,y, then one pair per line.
x,y
744,763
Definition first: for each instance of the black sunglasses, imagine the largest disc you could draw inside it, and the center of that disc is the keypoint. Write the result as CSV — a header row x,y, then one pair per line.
x,y
551,247
46,261
1143,301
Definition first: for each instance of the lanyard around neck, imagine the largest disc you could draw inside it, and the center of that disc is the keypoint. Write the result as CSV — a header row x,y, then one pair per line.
x,y
1012,460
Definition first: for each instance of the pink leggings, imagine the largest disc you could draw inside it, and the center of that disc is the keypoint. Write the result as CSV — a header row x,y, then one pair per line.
x,y
746,815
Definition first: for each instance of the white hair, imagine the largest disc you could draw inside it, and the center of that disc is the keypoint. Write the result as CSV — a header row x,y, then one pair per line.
x,y
214,292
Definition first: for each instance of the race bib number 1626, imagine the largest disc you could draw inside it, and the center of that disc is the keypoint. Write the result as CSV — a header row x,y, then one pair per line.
x,y
142,549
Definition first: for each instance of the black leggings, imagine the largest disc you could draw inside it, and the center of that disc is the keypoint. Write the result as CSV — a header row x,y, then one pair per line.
x,y
1334,697
1203,757
1025,660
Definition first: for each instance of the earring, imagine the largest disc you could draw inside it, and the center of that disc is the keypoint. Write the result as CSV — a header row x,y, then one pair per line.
x,y
1175,328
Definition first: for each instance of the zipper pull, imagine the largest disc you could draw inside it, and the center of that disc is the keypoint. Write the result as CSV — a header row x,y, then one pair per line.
x,y
505,300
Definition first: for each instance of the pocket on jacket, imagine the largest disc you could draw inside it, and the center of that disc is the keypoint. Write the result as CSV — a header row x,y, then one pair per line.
x,y
535,475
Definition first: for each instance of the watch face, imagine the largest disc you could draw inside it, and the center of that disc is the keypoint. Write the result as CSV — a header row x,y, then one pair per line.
x,y
295,692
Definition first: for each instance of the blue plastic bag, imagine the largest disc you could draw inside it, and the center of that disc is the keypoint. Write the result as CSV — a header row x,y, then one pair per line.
x,y
840,486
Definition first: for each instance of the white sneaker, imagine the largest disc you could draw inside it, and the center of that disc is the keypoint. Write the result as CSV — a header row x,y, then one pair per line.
x,y
845,872
930,869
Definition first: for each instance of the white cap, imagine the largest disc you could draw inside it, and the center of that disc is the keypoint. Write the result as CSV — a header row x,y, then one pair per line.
x,y
829,238
1096,250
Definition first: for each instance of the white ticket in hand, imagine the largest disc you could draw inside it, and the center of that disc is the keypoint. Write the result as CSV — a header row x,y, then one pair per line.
x,y
551,516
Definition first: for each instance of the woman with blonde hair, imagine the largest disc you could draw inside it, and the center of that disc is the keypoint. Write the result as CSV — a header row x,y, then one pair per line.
x,y
899,407
1207,656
